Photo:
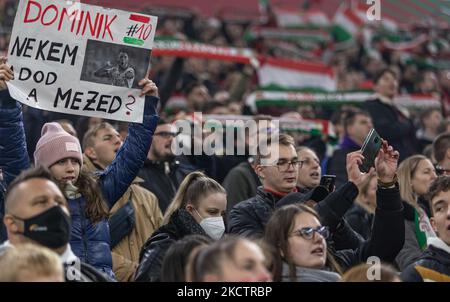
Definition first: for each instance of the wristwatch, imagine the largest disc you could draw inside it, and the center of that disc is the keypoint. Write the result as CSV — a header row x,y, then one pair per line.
x,y
387,185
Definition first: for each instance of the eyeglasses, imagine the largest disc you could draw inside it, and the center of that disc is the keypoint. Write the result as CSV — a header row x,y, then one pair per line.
x,y
308,232
166,134
283,165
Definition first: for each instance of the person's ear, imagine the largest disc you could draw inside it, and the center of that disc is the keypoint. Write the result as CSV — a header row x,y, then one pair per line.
x,y
189,207
260,171
11,224
433,224
90,152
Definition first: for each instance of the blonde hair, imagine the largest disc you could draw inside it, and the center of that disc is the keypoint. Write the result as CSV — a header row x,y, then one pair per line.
x,y
405,173
194,186
29,262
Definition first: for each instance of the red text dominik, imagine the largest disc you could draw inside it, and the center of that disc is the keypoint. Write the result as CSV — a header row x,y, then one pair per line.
x,y
74,20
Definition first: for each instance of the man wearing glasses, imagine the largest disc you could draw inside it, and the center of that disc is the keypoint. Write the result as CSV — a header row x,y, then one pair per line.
x,y
278,177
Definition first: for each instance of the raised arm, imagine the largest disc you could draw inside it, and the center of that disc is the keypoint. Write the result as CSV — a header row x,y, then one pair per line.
x,y
118,176
13,147
388,233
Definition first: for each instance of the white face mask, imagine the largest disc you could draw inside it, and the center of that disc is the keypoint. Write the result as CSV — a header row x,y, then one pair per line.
x,y
213,226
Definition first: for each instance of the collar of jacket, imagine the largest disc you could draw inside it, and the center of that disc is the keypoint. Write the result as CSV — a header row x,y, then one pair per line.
x,y
384,99
347,142
185,223
438,243
270,196
160,163
277,194
90,167
390,102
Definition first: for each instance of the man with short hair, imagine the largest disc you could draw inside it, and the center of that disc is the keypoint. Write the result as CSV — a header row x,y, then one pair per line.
x,y
391,122
37,212
430,120
434,264
441,153
135,216
357,124
278,178
162,172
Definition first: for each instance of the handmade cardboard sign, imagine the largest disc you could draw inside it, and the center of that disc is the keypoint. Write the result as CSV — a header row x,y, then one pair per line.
x,y
80,59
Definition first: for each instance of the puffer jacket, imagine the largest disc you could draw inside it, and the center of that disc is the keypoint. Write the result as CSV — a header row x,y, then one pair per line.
x,y
433,264
91,243
181,224
249,218
13,148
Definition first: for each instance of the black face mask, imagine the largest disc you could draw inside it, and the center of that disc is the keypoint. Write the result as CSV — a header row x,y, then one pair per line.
x,y
50,228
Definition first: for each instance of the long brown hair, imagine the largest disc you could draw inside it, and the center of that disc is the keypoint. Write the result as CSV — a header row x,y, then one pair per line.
x,y
277,231
96,208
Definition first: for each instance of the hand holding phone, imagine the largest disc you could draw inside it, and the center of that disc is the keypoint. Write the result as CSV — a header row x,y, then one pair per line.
x,y
369,150
328,181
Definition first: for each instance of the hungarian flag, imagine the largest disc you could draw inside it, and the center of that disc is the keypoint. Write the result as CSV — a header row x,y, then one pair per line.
x,y
295,75
347,23
299,19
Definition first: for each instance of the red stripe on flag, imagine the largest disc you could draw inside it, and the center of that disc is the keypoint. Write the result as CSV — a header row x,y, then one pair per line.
x,y
197,54
300,65
139,18
353,17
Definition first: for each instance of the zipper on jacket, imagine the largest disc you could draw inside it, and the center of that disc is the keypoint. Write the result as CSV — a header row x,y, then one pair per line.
x,y
83,232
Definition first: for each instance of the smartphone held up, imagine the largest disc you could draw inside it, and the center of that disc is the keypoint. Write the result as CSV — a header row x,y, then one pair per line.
x,y
370,148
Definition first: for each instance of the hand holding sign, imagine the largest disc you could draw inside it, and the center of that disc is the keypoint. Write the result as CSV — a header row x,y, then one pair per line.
x,y
6,74
149,89
65,61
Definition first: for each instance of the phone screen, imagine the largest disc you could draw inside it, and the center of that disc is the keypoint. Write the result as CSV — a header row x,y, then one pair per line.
x,y
328,182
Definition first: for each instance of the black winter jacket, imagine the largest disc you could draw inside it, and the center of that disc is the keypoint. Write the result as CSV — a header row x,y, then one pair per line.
x,y
399,131
249,217
388,232
152,254
163,178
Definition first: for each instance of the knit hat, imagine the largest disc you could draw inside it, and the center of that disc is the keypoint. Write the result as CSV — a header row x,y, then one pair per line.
x,y
56,144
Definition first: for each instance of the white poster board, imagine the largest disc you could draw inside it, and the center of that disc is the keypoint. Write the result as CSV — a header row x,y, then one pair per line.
x,y
80,59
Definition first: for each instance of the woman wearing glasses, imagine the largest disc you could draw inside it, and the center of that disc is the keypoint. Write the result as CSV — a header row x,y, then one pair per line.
x,y
299,246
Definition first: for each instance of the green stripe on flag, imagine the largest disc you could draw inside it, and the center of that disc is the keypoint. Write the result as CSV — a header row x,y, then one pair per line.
x,y
340,33
133,41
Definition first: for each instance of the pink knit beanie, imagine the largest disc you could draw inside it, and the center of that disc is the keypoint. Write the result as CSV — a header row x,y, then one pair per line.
x,y
56,144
